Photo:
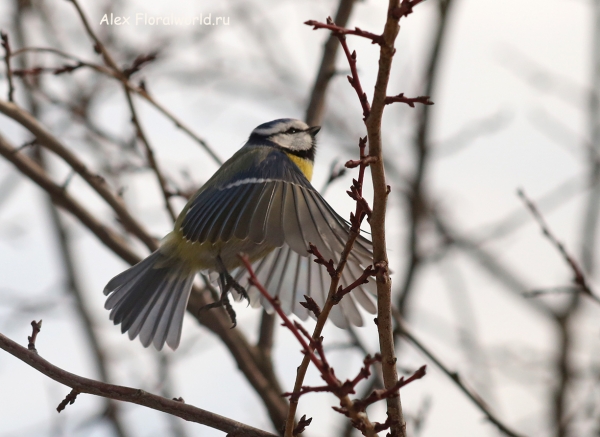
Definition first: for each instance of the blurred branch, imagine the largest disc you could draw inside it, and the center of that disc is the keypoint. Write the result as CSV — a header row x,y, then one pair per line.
x,y
60,197
422,149
474,130
548,201
474,397
217,322
127,394
98,183
98,46
541,78
139,90
264,348
9,73
150,155
316,105
124,75
72,286
578,276
488,262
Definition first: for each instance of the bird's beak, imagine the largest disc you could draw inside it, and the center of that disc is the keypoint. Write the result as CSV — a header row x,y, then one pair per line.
x,y
313,131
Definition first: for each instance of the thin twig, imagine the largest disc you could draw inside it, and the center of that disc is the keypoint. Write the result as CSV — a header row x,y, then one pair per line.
x,y
578,276
150,154
68,400
141,91
474,397
341,31
410,101
36,327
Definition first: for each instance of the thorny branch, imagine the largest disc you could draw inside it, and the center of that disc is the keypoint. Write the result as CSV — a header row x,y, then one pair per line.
x,y
372,113
353,78
313,349
356,219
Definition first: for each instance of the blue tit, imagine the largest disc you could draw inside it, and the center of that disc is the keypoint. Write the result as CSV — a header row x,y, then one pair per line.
x,y
261,203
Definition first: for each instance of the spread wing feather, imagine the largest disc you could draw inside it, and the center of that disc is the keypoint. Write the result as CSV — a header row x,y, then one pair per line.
x,y
275,204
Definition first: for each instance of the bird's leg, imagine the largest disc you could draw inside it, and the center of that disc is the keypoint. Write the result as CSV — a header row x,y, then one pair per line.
x,y
230,281
227,282
223,301
236,286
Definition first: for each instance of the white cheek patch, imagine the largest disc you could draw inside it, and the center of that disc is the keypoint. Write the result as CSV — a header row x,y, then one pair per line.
x,y
301,141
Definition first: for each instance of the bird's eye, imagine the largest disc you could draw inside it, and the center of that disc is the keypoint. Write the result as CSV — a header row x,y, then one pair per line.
x,y
292,130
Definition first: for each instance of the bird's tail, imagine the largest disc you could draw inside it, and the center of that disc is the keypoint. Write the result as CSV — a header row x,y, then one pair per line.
x,y
149,300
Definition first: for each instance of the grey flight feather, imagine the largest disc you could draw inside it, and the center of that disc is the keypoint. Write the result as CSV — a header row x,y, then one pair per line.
x,y
149,300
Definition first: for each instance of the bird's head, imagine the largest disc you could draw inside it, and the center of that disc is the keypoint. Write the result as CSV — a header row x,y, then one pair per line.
x,y
293,136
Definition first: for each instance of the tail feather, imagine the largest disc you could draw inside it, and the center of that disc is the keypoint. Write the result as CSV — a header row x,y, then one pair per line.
x,y
149,300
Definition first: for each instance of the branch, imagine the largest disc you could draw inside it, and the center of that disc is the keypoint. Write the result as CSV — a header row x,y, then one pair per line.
x,y
353,78
410,101
60,197
313,350
405,8
36,328
377,220
150,154
363,279
474,397
340,31
238,345
378,395
127,394
578,276
139,90
316,105
9,73
319,259
46,139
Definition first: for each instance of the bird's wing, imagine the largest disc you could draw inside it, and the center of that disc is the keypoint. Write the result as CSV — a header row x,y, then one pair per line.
x,y
289,276
267,199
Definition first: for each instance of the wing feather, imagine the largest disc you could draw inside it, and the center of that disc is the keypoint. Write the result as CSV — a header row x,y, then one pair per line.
x,y
229,212
257,232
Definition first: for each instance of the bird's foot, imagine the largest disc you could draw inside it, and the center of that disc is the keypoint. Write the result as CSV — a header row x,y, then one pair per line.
x,y
222,302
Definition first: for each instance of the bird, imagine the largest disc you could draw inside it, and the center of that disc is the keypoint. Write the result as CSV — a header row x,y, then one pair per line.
x,y
260,203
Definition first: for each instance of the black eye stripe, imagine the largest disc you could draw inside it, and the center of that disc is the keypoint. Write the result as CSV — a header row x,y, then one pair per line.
x,y
293,130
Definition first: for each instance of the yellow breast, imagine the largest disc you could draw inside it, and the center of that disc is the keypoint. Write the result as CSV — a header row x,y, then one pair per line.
x,y
305,165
